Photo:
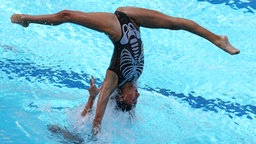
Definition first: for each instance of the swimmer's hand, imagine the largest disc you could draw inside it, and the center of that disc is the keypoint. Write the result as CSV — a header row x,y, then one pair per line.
x,y
93,135
93,89
95,129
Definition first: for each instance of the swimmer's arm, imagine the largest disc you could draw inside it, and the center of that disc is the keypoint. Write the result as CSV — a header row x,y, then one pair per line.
x,y
109,85
88,106
93,91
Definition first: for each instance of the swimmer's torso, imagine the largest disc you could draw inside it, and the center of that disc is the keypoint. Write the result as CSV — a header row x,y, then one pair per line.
x,y
128,57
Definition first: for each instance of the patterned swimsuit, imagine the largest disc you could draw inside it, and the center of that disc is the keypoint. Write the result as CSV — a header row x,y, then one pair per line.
x,y
128,57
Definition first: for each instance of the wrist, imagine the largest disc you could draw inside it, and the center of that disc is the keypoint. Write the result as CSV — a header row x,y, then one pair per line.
x,y
92,97
87,109
96,122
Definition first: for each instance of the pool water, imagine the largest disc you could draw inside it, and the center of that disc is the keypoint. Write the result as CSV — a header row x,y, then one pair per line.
x,y
191,92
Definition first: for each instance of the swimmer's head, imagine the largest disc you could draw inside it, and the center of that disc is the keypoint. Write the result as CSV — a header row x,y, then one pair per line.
x,y
127,96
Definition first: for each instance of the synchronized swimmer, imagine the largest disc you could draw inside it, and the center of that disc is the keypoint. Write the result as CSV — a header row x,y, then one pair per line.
x,y
126,66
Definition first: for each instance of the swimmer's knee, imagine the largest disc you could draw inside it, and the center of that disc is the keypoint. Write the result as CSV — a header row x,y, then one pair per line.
x,y
65,15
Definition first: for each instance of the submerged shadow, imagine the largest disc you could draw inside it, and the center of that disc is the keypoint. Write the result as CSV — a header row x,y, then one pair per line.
x,y
249,5
61,78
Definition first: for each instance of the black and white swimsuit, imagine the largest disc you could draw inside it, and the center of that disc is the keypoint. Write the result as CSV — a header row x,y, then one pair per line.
x,y
128,57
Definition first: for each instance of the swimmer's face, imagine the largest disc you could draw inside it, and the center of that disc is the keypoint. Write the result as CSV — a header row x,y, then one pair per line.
x,y
130,94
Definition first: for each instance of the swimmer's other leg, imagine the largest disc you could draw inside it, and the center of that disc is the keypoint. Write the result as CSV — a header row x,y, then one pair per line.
x,y
154,19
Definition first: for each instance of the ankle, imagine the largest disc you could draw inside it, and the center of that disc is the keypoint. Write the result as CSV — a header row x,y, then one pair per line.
x,y
220,41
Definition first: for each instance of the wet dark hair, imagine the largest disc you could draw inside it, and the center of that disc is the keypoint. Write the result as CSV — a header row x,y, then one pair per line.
x,y
122,105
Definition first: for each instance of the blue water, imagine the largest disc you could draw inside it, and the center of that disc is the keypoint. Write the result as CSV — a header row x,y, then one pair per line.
x,y
191,92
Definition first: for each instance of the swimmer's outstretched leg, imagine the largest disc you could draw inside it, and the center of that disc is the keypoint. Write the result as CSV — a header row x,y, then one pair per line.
x,y
99,21
154,19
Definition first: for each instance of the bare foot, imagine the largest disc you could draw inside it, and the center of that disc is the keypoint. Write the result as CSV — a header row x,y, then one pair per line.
x,y
224,44
19,19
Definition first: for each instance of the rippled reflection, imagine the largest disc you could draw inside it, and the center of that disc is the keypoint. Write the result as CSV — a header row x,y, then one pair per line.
x,y
214,105
33,72
249,5
61,78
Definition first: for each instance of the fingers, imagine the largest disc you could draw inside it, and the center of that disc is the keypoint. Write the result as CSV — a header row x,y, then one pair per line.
x,y
92,81
92,84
